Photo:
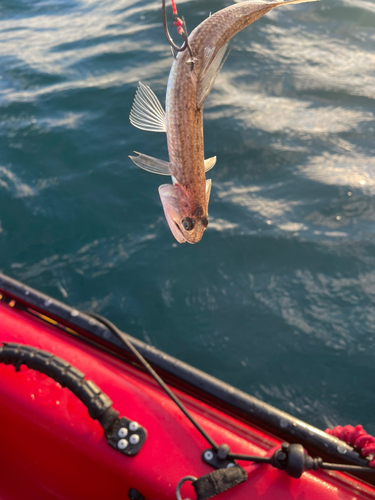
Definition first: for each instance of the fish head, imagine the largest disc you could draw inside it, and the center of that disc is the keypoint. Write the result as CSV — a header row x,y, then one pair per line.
x,y
186,224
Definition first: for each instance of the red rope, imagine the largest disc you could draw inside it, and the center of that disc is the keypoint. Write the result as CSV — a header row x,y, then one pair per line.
x,y
174,8
357,437
177,21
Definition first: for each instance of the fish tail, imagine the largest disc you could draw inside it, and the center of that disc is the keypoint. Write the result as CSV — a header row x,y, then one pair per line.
x,y
284,2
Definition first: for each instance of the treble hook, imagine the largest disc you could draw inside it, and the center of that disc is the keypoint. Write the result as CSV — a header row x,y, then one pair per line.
x,y
183,33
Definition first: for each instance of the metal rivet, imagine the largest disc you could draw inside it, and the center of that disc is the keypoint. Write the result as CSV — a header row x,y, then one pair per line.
x,y
27,292
283,423
341,449
133,426
208,455
123,432
48,303
134,439
74,312
122,444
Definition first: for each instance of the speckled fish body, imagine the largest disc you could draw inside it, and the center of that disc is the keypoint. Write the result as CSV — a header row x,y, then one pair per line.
x,y
184,115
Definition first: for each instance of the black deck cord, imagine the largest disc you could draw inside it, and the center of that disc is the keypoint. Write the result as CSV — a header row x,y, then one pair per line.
x,y
345,467
233,456
153,373
319,464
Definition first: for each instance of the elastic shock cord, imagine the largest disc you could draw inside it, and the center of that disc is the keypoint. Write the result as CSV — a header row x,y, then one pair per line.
x,y
215,447
153,373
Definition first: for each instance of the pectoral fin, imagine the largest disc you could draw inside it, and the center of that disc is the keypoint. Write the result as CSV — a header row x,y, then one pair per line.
x,y
147,113
151,164
212,64
209,163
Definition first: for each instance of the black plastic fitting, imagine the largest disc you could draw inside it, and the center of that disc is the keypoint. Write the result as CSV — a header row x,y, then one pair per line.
x,y
293,459
97,403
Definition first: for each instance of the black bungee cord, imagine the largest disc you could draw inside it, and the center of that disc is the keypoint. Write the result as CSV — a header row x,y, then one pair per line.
x,y
279,458
153,373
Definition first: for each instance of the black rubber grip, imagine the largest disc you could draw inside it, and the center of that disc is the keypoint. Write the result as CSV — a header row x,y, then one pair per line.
x,y
98,404
218,481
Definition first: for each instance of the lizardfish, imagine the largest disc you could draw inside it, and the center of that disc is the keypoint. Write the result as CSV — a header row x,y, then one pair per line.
x,y
185,202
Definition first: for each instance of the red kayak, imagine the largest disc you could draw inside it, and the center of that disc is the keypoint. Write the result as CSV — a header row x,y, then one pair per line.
x,y
82,418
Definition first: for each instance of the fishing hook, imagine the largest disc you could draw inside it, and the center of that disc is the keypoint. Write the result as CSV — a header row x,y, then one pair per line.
x,y
183,33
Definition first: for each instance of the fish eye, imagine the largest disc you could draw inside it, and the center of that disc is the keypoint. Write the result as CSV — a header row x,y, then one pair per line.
x,y
188,223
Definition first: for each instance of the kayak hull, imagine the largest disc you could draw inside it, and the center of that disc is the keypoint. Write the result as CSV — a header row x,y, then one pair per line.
x,y
52,449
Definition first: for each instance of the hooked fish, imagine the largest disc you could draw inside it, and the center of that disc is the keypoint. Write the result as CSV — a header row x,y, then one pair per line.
x,y
192,76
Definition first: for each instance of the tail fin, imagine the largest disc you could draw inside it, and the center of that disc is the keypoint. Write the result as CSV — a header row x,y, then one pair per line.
x,y
284,2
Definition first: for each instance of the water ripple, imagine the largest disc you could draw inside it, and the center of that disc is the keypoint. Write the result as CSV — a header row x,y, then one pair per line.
x,y
283,281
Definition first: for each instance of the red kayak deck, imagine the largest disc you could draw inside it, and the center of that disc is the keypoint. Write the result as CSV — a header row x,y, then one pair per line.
x,y
52,449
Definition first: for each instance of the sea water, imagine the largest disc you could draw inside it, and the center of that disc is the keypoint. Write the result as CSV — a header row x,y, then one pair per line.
x,y
278,298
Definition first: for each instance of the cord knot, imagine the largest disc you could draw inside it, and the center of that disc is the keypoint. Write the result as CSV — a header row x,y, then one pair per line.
x,y
179,24
357,437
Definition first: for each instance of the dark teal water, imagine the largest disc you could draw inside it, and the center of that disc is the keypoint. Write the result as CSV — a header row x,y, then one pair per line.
x,y
278,298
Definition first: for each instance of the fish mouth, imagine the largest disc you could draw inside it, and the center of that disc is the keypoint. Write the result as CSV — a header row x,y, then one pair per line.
x,y
185,239
193,237
181,233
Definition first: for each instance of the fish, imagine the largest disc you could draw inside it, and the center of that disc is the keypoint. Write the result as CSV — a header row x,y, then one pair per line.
x,y
192,76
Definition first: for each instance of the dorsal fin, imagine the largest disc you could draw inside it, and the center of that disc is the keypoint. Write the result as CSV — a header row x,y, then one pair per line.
x,y
147,113
210,69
